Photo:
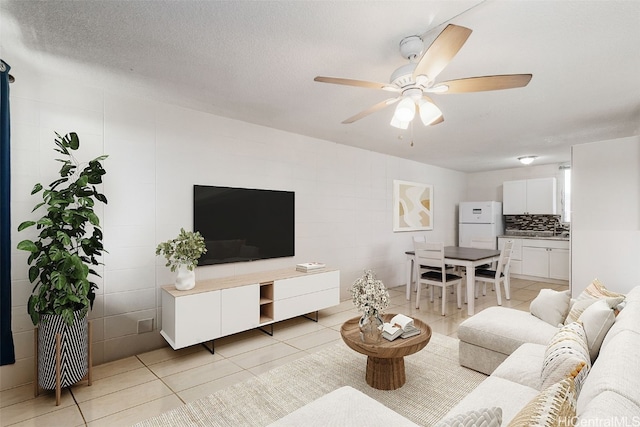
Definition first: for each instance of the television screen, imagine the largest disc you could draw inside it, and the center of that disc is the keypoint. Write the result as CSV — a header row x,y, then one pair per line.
x,y
243,224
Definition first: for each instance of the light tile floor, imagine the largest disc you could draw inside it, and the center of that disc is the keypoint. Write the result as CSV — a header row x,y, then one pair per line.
x,y
138,387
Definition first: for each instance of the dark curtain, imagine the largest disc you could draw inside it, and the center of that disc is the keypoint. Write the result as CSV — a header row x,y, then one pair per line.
x,y
7,354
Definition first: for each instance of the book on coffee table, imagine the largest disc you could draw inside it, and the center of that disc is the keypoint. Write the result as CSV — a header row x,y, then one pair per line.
x,y
399,326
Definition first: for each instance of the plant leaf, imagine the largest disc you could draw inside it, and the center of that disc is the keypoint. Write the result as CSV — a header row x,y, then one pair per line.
x,y
36,188
27,245
33,273
25,224
74,141
45,221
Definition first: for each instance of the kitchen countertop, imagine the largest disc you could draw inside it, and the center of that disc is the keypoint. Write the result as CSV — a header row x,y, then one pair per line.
x,y
513,236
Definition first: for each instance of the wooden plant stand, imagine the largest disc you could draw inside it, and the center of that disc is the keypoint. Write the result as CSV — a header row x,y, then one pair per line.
x,y
88,376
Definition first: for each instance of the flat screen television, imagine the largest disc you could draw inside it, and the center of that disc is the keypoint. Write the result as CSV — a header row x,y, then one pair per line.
x,y
244,224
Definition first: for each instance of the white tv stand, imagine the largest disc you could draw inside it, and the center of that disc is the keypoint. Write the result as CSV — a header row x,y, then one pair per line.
x,y
219,307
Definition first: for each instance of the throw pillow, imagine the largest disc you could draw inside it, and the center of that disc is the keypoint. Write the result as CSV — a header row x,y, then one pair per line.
x,y
554,406
551,306
592,293
566,351
597,319
597,290
485,417
580,306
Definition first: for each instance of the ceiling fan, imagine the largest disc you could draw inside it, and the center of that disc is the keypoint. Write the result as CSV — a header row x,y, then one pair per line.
x,y
415,80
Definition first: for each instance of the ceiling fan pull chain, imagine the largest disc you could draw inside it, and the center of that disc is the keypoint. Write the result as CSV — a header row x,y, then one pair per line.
x,y
411,133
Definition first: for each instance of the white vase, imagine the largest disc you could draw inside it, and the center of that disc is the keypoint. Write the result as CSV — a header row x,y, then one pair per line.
x,y
186,279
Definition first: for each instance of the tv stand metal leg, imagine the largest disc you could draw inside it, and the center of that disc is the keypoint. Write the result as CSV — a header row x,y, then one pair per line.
x,y
211,349
311,318
270,333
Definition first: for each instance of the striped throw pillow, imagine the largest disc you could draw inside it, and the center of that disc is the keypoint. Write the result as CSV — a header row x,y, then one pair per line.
x,y
554,406
567,350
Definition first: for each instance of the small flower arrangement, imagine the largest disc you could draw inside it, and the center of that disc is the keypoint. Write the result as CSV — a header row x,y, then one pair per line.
x,y
369,294
184,250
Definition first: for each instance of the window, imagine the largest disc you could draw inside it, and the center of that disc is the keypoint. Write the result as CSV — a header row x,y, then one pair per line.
x,y
566,207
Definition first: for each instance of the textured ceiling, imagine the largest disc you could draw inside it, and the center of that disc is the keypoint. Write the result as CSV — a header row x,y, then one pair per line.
x,y
255,61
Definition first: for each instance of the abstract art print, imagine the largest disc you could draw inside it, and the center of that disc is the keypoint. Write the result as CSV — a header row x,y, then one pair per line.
x,y
412,206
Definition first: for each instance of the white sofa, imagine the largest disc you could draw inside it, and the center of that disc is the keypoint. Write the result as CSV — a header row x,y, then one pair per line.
x,y
510,345
514,342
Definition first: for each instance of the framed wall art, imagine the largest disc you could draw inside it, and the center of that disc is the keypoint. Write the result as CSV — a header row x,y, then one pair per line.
x,y
412,206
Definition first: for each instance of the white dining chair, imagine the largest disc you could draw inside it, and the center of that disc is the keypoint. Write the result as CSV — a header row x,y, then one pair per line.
x,y
483,243
430,256
500,275
419,269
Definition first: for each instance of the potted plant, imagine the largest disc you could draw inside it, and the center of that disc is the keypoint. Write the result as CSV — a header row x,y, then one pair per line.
x,y
62,261
182,254
371,297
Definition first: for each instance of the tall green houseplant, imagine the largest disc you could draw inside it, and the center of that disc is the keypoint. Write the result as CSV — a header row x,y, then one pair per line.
x,y
69,243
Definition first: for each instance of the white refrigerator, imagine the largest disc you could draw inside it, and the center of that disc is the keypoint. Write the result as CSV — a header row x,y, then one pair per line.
x,y
479,220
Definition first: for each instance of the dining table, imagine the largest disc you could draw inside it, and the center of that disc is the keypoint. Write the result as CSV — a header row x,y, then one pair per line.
x,y
469,258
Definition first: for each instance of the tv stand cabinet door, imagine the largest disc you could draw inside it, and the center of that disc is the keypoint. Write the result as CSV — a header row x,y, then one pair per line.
x,y
240,309
183,322
304,294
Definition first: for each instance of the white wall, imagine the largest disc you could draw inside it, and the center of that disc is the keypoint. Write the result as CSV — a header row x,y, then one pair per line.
x,y
605,229
157,151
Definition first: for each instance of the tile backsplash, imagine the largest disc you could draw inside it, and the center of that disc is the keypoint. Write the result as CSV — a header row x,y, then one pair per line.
x,y
535,223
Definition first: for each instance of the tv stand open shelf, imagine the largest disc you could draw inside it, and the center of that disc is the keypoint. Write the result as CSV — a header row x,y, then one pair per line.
x,y
219,307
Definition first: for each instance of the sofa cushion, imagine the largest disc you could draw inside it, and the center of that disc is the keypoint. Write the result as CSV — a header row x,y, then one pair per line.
x,y
485,417
551,306
617,369
554,406
496,392
566,354
504,329
608,408
345,406
628,319
597,319
523,366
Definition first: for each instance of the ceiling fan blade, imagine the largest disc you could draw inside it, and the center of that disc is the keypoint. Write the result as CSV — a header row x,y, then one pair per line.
x,y
437,121
377,107
357,83
480,84
442,51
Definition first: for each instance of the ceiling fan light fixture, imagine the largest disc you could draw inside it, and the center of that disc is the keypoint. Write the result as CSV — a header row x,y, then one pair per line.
x,y
527,160
396,123
429,112
406,110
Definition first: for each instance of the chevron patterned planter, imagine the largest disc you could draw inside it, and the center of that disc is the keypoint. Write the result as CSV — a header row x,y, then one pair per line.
x,y
73,350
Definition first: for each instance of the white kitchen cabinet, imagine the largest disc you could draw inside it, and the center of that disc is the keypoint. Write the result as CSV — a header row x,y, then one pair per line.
x,y
535,261
529,196
547,259
559,264
240,309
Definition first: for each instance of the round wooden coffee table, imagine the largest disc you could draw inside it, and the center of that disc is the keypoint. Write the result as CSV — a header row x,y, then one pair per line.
x,y
385,359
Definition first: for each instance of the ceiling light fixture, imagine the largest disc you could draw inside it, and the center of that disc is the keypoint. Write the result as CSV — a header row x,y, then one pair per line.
x,y
406,110
429,113
396,123
527,160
